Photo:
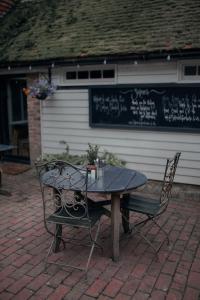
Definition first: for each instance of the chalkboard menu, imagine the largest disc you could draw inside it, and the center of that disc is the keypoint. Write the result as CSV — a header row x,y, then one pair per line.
x,y
163,107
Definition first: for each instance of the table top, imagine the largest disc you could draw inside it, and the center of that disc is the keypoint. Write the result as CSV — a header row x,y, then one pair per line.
x,y
4,147
113,180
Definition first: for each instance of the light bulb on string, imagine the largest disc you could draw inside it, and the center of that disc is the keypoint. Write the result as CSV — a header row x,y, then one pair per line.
x,y
168,58
9,68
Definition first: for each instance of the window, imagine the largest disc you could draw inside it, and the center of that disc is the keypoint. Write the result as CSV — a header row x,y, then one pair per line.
x,y
91,74
95,74
71,75
83,75
108,73
190,71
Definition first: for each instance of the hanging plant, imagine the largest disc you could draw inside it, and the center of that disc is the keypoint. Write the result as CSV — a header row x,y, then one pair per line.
x,y
41,89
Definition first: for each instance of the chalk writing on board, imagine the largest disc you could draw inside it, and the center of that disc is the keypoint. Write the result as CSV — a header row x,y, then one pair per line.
x,y
164,106
143,107
183,109
139,92
109,105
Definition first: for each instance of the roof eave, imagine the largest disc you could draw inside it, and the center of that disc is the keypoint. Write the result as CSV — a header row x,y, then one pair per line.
x,y
115,58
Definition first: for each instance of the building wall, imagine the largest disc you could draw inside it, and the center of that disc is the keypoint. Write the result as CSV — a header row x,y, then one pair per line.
x,y
65,117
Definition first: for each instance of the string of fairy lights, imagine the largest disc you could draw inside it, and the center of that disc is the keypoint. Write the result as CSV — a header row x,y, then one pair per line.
x,y
78,65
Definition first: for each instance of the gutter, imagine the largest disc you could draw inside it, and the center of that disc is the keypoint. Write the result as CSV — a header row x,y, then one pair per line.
x,y
109,59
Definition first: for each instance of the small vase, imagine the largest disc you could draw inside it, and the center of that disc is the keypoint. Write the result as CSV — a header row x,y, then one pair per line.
x,y
92,171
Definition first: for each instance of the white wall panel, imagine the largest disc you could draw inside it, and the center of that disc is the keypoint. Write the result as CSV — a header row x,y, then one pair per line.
x,y
148,73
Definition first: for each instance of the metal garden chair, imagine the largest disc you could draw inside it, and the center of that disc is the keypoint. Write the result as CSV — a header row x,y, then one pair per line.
x,y
59,183
150,208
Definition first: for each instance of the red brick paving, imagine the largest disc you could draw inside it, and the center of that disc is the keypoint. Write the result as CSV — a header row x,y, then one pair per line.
x,y
138,274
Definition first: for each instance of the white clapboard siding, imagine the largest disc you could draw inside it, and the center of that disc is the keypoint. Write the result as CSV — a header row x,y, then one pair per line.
x,y
148,73
139,135
131,155
69,103
123,142
66,110
74,95
65,117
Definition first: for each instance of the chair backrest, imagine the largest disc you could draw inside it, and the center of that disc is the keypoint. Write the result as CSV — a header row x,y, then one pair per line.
x,y
170,171
60,184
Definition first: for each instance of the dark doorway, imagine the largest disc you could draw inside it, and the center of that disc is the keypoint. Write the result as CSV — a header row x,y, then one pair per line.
x,y
4,133
13,118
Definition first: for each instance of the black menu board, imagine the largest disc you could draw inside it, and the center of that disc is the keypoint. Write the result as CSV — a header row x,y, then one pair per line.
x,y
154,107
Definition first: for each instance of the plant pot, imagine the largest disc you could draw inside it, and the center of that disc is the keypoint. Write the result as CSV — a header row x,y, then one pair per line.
x,y
91,167
41,96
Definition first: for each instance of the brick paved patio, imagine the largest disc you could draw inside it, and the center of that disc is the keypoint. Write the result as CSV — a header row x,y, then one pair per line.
x,y
138,275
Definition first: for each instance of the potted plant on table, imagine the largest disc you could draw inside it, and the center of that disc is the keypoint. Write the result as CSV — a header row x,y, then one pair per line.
x,y
92,154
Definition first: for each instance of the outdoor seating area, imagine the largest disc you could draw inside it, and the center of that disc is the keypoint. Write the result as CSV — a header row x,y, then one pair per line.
x,y
138,273
99,150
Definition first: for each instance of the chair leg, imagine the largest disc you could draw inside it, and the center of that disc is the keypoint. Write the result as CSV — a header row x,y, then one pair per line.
x,y
94,242
125,215
165,233
147,240
53,246
125,220
136,228
59,236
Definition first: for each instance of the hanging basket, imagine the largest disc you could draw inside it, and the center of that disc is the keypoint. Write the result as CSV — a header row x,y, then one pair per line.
x,y
41,89
41,96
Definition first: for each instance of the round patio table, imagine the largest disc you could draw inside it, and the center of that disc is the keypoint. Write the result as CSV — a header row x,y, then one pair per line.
x,y
114,181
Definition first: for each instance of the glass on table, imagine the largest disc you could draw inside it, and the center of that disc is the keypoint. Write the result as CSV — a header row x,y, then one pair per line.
x,y
101,165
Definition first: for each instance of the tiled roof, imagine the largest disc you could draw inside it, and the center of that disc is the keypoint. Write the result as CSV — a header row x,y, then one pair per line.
x,y
60,29
5,6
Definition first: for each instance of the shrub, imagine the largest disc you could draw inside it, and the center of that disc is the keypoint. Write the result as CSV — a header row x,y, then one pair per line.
x,y
92,153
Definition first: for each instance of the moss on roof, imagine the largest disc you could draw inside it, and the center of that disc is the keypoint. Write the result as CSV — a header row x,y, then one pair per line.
x,y
60,29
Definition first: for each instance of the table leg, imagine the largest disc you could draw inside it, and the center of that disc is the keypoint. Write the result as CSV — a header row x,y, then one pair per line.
x,y
115,225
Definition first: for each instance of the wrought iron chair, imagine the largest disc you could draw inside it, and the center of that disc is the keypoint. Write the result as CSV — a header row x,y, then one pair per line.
x,y
150,208
59,183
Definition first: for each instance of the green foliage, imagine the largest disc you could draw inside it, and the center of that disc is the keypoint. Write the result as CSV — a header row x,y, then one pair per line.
x,y
112,159
73,159
65,156
92,153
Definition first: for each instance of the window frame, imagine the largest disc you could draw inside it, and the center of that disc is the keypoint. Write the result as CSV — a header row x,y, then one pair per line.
x,y
89,80
189,78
